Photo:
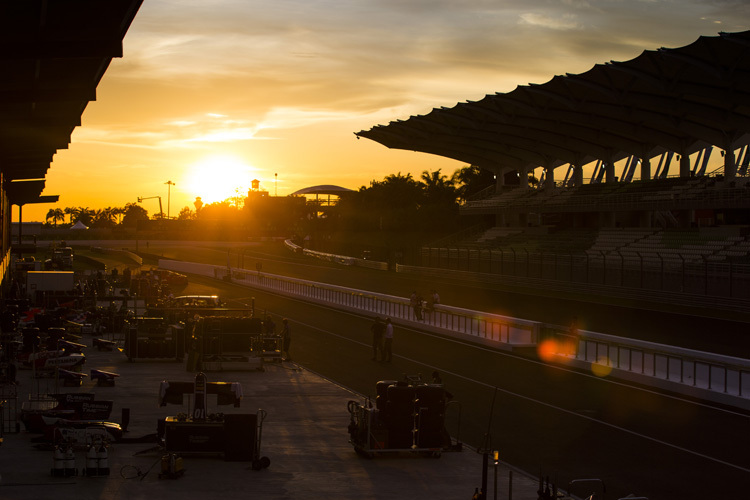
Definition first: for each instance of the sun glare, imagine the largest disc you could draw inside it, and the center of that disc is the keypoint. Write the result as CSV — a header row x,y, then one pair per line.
x,y
216,178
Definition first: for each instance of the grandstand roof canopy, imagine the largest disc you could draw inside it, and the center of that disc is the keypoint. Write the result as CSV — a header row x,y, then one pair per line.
x,y
53,56
680,100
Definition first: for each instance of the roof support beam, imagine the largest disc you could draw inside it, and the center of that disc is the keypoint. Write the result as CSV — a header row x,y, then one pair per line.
x,y
61,49
85,93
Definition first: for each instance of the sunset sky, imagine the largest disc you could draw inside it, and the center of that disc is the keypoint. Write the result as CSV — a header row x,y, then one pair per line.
x,y
211,94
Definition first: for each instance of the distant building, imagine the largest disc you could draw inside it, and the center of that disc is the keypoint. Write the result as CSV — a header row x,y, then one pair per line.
x,y
272,215
325,195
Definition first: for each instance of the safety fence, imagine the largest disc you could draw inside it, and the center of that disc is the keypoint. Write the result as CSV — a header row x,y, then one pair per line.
x,y
695,373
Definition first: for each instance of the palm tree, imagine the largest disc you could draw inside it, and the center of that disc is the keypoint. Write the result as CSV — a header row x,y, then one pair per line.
x,y
438,188
71,211
56,214
103,218
118,212
86,215
472,179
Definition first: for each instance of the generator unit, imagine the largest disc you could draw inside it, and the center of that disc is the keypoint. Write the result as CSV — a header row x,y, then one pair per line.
x,y
236,437
408,416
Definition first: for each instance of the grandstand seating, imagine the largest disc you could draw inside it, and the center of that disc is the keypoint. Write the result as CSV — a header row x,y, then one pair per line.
x,y
610,239
714,244
534,240
694,236
654,194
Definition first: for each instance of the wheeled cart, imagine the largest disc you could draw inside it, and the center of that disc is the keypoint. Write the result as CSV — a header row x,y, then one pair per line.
x,y
408,416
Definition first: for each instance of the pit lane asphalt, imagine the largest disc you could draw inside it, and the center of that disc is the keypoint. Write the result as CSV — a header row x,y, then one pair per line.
x,y
304,435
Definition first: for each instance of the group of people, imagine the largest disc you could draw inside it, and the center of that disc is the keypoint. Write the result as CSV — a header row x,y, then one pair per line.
x,y
382,340
419,304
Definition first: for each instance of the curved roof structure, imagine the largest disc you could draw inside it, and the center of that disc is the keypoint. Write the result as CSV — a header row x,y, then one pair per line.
x,y
680,100
323,189
53,56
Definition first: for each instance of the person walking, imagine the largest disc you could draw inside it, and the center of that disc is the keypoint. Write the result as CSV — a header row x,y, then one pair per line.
x,y
388,344
286,339
378,329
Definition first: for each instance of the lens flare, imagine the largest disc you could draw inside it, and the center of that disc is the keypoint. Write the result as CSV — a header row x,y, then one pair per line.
x,y
547,350
602,367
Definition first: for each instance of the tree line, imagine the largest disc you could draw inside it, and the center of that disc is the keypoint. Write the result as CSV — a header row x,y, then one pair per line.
x,y
397,203
109,217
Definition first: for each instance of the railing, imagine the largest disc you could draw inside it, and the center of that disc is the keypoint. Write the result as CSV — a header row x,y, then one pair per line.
x,y
340,259
703,375
633,359
507,332
484,193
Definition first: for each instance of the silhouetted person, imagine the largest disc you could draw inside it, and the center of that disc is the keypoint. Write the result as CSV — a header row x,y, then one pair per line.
x,y
286,338
378,330
434,297
388,341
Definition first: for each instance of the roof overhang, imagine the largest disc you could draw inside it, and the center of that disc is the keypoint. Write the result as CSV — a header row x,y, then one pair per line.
x,y
668,99
53,56
23,192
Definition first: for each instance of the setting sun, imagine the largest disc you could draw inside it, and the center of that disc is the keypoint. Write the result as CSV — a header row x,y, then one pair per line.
x,y
216,178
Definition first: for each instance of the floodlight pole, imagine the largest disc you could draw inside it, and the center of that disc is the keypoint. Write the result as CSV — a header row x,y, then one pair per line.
x,y
169,193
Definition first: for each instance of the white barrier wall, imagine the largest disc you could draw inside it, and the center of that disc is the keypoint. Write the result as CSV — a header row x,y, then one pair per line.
x,y
445,319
